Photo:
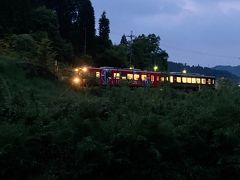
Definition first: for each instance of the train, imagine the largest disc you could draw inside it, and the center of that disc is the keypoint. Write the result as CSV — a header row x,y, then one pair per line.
x,y
113,76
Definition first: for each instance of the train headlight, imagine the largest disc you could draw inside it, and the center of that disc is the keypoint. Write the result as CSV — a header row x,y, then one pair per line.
x,y
84,69
76,80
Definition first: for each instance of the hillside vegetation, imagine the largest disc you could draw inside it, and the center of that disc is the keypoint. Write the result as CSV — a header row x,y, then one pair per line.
x,y
232,69
49,131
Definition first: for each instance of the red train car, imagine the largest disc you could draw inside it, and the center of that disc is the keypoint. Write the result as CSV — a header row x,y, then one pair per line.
x,y
110,76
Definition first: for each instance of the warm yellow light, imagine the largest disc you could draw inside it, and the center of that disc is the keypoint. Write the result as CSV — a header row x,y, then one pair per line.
x,y
76,80
155,68
76,70
184,71
131,67
84,69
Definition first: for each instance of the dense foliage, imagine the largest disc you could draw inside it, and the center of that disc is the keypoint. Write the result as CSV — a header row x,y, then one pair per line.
x,y
48,131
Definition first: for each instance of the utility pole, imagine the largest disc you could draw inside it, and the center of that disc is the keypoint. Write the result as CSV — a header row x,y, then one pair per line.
x,y
131,36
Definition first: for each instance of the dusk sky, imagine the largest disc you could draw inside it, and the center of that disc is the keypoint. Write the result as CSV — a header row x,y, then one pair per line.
x,y
204,32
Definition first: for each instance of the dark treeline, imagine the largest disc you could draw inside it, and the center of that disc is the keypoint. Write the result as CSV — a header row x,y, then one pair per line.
x,y
65,31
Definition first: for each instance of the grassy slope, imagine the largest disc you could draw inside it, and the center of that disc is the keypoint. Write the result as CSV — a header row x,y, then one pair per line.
x,y
116,133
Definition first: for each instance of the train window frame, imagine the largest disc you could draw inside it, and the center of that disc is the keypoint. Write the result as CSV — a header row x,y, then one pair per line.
x,y
97,74
179,79
203,81
157,78
162,79
152,78
116,75
136,77
184,80
129,76
209,81
194,80
198,80
189,80
144,77
171,79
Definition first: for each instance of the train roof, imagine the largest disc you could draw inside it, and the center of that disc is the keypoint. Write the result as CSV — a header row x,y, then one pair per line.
x,y
190,74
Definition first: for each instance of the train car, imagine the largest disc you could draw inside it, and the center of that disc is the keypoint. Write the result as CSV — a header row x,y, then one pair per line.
x,y
110,76
116,77
191,81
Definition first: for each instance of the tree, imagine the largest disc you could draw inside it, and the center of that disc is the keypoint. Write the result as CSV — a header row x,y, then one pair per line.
x,y
104,28
46,54
115,56
147,53
103,42
77,23
14,16
83,28
45,20
124,40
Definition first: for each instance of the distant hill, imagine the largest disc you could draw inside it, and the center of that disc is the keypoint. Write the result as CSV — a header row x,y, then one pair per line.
x,y
232,69
178,67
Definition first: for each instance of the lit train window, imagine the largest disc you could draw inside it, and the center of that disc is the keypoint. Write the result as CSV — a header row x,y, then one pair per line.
x,y
167,78
179,80
194,80
198,81
204,81
144,77
171,79
209,81
136,77
116,75
162,79
152,78
184,79
213,81
97,74
130,76
157,78
189,80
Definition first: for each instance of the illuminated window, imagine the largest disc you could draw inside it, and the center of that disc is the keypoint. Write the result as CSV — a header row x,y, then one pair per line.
x,y
97,74
184,79
130,76
204,81
189,80
152,78
144,77
116,75
166,78
157,78
213,81
198,81
179,80
162,79
209,81
136,77
194,81
124,77
171,79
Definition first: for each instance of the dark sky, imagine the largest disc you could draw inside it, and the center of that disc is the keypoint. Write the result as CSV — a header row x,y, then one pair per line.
x,y
204,32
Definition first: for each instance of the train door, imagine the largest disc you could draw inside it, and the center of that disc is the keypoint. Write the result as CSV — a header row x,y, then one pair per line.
x,y
106,77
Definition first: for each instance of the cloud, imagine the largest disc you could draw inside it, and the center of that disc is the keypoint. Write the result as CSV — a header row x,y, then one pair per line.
x,y
229,7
